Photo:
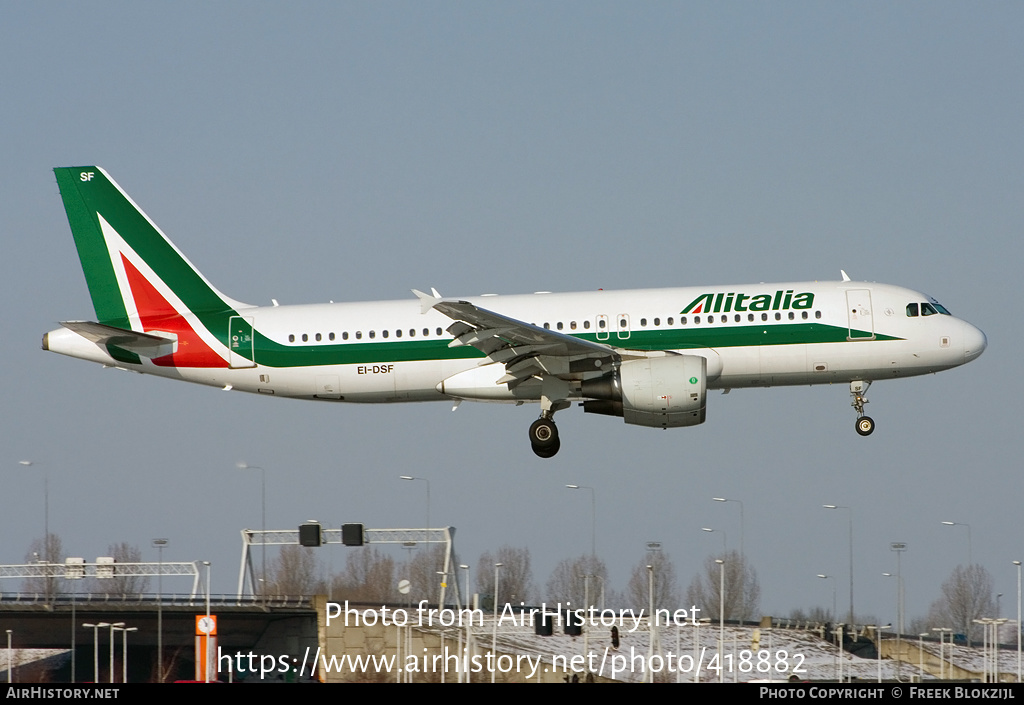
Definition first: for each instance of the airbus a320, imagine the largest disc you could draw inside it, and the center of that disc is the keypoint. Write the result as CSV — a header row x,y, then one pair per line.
x,y
648,356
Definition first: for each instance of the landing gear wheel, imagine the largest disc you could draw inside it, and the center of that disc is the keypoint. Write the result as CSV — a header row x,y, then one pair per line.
x,y
543,434
548,451
865,425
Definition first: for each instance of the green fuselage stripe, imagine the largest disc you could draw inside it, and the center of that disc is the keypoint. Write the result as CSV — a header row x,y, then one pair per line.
x,y
273,354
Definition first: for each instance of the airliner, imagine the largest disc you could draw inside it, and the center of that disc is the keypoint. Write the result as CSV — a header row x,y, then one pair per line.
x,y
647,356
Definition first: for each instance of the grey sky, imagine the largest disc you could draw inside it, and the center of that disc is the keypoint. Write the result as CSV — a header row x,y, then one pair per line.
x,y
338,151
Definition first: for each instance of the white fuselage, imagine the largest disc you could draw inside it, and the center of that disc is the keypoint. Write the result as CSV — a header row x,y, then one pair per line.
x,y
752,335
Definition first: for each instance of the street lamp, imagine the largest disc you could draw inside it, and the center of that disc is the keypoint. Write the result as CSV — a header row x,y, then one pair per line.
x,y
10,658
115,625
159,544
96,648
206,669
593,517
848,509
724,537
410,478
721,616
263,485
1017,563
970,541
494,633
742,530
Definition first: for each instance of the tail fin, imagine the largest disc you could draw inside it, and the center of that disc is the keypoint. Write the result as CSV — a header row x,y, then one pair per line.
x,y
137,278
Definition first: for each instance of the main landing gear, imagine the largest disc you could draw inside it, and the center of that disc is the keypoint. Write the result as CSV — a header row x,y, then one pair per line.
x,y
543,432
544,437
865,424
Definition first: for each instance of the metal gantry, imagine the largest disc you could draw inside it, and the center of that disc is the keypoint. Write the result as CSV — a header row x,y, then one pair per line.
x,y
290,537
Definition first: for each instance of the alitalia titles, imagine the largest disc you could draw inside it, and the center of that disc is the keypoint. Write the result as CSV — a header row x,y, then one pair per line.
x,y
726,302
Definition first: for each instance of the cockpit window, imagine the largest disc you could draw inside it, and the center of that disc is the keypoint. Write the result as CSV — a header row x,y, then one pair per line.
x,y
912,310
927,309
941,309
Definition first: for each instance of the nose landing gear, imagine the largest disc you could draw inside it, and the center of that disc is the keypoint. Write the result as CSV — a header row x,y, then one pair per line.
x,y
865,424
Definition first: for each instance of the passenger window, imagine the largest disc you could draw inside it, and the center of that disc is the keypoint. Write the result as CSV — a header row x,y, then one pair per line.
x,y
412,332
330,336
305,338
817,314
750,317
778,316
657,321
547,325
803,314
439,331
318,337
586,325
600,324
682,320
344,336
572,325
670,320
764,316
559,325
725,319
737,318
792,315
696,320
373,334
291,338
359,335
426,332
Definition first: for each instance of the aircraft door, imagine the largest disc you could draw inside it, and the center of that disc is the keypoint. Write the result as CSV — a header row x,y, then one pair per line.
x,y
240,342
858,308
622,326
603,331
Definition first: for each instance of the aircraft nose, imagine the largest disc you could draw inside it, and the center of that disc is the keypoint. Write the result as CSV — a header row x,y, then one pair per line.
x,y
975,342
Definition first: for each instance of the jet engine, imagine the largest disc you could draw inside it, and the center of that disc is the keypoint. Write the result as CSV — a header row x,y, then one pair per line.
x,y
662,392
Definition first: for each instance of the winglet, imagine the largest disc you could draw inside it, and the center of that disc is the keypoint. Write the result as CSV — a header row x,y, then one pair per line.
x,y
426,300
846,277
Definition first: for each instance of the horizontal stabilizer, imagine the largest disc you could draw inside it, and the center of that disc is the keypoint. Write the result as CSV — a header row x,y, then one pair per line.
x,y
150,345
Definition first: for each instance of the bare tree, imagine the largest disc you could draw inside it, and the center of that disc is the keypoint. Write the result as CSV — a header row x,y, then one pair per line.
x,y
46,551
122,583
295,571
665,585
966,596
567,583
742,589
515,583
423,572
369,577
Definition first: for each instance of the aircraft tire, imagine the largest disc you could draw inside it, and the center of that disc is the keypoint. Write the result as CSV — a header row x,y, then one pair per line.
x,y
543,434
547,451
865,425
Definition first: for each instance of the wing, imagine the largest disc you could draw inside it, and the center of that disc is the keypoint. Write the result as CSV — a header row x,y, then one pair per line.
x,y
526,350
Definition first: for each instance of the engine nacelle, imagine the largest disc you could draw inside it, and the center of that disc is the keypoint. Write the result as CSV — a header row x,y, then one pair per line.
x,y
663,392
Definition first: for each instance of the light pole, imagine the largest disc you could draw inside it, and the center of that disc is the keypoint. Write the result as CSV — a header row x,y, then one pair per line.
x,y
725,537
410,478
10,658
494,633
721,616
1017,563
848,509
96,648
263,520
970,541
159,544
742,529
115,625
47,549
593,518
206,669
833,579
124,653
